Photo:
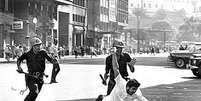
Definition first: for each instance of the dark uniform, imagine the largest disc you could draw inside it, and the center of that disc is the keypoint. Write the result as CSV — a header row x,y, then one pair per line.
x,y
55,71
36,66
122,61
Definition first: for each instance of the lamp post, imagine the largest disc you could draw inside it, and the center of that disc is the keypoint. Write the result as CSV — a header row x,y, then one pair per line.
x,y
95,38
35,22
27,37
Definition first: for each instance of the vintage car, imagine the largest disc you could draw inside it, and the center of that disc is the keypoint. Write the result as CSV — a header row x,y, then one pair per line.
x,y
195,64
181,58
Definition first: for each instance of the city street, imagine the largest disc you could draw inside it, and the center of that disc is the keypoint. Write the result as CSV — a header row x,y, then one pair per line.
x,y
79,80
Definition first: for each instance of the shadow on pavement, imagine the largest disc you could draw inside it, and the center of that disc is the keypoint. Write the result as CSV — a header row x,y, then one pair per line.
x,y
183,91
189,90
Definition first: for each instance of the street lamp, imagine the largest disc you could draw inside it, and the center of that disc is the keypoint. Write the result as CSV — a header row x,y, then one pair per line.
x,y
35,22
28,35
95,38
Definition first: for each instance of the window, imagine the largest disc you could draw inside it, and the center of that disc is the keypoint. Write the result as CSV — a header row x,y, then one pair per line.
x,y
6,5
144,5
149,5
156,5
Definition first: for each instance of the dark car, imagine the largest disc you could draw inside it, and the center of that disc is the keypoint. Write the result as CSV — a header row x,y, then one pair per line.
x,y
195,64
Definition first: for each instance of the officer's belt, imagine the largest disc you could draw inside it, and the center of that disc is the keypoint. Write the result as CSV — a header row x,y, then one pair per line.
x,y
36,74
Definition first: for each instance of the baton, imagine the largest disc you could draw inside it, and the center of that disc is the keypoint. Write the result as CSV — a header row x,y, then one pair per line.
x,y
103,80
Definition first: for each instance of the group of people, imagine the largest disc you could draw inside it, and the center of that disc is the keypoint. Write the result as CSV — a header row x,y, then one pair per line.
x,y
80,50
120,86
13,51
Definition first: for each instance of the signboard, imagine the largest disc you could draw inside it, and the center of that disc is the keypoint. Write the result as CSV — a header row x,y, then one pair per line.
x,y
17,25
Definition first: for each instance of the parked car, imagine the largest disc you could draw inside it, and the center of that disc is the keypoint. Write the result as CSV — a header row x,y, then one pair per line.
x,y
181,58
195,64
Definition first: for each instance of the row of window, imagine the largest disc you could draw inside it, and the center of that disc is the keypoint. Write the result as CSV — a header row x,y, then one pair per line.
x,y
38,8
122,17
123,5
7,6
78,18
104,3
79,2
103,26
104,10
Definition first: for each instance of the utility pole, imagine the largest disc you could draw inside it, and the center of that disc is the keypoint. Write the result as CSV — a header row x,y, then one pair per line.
x,y
138,35
138,13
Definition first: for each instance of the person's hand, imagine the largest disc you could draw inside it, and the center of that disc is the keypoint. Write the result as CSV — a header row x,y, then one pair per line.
x,y
19,70
105,76
133,61
127,78
55,61
132,68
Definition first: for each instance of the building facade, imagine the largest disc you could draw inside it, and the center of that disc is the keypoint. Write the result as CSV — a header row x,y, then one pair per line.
x,y
72,23
107,19
37,18
6,21
152,6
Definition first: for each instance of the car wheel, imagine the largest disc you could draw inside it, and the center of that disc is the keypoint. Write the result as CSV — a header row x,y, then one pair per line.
x,y
196,72
180,63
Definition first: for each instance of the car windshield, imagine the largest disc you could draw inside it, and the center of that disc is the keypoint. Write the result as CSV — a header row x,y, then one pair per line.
x,y
195,48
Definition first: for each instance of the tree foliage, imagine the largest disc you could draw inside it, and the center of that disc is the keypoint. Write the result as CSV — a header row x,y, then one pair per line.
x,y
190,30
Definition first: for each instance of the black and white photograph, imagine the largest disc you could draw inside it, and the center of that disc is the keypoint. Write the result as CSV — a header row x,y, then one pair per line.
x,y
100,50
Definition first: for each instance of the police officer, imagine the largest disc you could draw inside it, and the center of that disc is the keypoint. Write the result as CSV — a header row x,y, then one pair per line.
x,y
35,60
123,59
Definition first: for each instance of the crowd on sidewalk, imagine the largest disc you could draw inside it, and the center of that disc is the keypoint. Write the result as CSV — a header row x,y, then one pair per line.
x,y
15,51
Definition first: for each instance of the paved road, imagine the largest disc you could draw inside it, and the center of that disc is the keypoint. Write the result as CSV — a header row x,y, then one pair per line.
x,y
79,81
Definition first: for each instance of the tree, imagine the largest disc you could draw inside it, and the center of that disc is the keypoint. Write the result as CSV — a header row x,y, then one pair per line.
x,y
190,30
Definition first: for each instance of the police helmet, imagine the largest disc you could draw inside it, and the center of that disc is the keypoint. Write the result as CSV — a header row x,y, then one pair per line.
x,y
35,41
118,43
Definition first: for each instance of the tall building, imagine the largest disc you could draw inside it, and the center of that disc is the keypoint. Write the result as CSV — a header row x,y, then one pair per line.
x,y
36,19
106,19
151,6
72,23
6,21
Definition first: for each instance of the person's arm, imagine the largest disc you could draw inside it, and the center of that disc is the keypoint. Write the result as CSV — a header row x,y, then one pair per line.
x,y
51,59
107,67
19,61
115,65
131,63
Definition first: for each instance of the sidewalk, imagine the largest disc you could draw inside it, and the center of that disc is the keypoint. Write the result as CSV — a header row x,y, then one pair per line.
x,y
102,56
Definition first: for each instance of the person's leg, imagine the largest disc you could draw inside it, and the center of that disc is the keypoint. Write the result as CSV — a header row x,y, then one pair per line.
x,y
111,85
33,89
55,71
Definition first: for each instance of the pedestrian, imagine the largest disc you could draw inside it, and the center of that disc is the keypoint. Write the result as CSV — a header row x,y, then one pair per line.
x,y
82,51
76,51
152,50
123,59
8,52
56,68
123,90
35,60
93,51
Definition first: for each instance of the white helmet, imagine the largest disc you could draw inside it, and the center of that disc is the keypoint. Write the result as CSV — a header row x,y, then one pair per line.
x,y
118,43
35,41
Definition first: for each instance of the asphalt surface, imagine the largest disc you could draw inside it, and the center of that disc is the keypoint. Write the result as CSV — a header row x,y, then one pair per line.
x,y
184,87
